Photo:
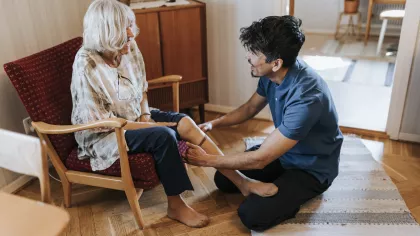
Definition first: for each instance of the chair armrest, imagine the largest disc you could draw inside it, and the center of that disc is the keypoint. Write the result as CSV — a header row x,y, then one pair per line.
x,y
45,128
174,80
165,79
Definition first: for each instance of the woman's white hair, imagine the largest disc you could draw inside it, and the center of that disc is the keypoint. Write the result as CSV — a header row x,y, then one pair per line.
x,y
105,25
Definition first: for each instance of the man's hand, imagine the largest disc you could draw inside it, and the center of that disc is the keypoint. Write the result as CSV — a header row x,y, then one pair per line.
x,y
195,155
206,126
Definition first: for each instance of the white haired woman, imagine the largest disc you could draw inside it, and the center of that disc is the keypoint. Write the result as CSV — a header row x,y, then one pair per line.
x,y
109,80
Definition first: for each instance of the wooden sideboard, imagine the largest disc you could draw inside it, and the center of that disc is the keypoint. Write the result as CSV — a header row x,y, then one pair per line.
x,y
173,41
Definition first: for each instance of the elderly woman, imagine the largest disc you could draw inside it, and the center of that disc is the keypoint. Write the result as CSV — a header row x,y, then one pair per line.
x,y
109,80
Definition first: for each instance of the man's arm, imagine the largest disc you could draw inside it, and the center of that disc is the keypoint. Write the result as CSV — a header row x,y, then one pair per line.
x,y
245,112
274,146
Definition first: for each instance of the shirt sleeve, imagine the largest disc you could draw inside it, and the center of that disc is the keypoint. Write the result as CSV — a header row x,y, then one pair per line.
x,y
261,88
138,57
300,116
91,101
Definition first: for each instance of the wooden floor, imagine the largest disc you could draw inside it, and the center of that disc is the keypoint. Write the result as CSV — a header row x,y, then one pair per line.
x,y
106,212
326,45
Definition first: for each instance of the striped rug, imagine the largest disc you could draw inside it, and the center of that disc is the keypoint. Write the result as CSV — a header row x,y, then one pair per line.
x,y
363,72
361,201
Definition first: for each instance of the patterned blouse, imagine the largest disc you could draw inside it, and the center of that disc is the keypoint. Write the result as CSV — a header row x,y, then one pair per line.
x,y
99,92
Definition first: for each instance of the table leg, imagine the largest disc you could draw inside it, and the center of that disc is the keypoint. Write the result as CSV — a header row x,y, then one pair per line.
x,y
369,20
381,36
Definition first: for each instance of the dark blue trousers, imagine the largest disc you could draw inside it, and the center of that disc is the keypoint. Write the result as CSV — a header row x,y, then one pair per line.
x,y
162,142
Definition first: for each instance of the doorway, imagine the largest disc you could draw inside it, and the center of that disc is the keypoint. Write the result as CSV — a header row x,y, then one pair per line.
x,y
360,77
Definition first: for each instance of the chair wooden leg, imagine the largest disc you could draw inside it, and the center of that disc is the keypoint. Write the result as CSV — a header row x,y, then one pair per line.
x,y
337,29
67,192
132,197
45,191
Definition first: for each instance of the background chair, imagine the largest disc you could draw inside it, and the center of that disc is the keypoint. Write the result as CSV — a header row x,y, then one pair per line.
x,y
25,155
385,16
43,84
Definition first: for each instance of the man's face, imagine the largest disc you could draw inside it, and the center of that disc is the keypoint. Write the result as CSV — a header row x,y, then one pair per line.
x,y
259,66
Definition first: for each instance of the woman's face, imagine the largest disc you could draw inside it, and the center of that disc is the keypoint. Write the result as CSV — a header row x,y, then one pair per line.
x,y
126,47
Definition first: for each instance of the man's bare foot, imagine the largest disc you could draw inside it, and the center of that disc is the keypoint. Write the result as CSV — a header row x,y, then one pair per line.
x,y
188,216
258,188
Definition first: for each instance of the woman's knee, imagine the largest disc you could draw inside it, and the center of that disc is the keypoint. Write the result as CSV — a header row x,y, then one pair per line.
x,y
186,125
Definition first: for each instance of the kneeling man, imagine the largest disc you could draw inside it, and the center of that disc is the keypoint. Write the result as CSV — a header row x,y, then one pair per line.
x,y
301,155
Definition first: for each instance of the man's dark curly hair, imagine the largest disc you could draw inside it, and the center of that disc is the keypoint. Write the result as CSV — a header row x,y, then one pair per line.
x,y
277,37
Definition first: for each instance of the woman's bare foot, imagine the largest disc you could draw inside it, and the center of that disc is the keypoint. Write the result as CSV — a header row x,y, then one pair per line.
x,y
178,210
259,188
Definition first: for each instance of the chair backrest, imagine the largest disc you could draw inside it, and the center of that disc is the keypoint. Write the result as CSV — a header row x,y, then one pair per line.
x,y
43,83
25,155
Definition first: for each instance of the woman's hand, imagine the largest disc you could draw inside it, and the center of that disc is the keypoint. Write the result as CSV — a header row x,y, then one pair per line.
x,y
145,118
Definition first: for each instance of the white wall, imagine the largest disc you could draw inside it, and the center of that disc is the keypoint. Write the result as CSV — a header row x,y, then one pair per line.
x,y
27,27
230,83
318,16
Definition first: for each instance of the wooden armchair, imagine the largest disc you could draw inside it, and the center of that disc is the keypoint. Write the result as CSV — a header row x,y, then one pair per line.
x,y
43,84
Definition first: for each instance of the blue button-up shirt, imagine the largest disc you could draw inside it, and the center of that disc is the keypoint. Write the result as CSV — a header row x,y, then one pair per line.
x,y
303,109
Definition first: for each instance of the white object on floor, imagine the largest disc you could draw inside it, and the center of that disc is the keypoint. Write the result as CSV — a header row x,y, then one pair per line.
x,y
329,68
253,141
385,16
143,5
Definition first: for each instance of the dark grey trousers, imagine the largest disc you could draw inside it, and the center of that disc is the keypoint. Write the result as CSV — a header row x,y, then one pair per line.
x,y
295,188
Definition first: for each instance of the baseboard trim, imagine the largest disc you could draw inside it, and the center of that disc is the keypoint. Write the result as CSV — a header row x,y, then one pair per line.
x,y
17,184
364,132
409,137
226,109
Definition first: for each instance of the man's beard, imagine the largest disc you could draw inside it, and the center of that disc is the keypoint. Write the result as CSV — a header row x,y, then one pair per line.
x,y
254,76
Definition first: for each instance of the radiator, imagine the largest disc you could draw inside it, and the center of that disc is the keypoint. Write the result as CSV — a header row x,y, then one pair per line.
x,y
377,9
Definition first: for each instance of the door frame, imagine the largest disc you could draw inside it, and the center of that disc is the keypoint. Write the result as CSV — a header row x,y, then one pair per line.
x,y
405,58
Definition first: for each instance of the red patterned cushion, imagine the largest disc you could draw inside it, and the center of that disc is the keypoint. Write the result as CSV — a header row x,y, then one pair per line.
x,y
142,167
42,81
